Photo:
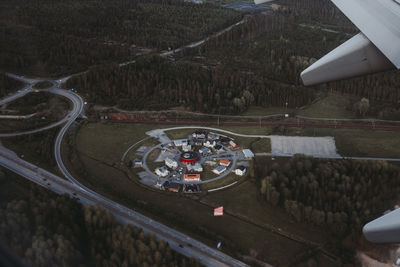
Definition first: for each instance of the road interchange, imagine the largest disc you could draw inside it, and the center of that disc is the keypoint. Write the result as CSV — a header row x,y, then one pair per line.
x,y
178,241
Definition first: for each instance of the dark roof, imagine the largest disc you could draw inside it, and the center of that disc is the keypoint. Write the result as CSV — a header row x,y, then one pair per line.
x,y
217,146
225,139
168,184
191,187
242,168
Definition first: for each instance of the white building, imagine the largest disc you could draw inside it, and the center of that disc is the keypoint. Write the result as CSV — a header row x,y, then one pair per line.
x,y
248,153
162,171
194,167
240,170
209,143
180,142
205,151
186,148
220,169
173,164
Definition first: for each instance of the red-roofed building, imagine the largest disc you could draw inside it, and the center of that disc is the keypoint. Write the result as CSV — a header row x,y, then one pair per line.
x,y
224,162
233,145
192,177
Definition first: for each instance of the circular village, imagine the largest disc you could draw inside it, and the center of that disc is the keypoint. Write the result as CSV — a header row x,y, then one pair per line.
x,y
185,164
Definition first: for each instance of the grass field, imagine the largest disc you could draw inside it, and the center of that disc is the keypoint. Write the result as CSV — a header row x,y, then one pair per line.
x,y
330,106
357,142
242,200
326,106
35,102
103,148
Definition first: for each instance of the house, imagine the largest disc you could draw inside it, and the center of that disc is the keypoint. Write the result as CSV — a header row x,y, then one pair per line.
x,y
173,164
200,134
233,145
240,170
192,177
209,143
196,167
180,142
225,140
198,141
213,136
162,171
171,186
224,162
220,169
186,148
136,163
204,151
248,153
191,188
219,148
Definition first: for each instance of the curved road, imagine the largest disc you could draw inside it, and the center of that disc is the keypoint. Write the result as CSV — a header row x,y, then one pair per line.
x,y
178,241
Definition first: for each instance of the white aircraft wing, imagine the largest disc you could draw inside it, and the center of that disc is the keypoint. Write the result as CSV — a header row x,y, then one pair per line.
x,y
376,49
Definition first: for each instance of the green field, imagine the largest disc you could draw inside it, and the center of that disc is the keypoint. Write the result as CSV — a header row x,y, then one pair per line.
x,y
330,106
105,143
358,142
325,106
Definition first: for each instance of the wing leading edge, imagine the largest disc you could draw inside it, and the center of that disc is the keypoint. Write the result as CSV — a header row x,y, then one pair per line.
x,y
376,49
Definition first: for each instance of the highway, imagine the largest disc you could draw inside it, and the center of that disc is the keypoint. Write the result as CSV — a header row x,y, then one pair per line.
x,y
177,241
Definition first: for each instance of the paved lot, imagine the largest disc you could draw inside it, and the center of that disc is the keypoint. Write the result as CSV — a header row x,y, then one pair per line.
x,y
312,146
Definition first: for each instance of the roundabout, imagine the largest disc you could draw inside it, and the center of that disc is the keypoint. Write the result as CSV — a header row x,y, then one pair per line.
x,y
185,165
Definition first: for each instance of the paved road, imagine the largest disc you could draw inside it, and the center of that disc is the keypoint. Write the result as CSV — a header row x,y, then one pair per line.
x,y
329,157
77,104
178,241
198,43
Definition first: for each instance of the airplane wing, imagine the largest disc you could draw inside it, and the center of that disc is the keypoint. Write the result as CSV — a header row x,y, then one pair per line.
x,y
376,49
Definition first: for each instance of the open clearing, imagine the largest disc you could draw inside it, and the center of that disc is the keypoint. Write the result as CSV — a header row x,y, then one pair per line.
x,y
312,146
100,146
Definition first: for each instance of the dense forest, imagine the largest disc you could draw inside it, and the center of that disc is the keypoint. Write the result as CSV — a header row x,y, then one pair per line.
x,y
46,229
155,83
8,85
340,194
278,46
56,37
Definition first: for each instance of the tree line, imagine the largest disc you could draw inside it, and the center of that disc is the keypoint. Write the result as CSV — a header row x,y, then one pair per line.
x,y
340,194
8,85
155,83
45,229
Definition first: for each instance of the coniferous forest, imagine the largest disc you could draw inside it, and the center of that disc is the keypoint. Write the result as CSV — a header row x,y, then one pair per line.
x,y
53,38
8,84
45,229
342,195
